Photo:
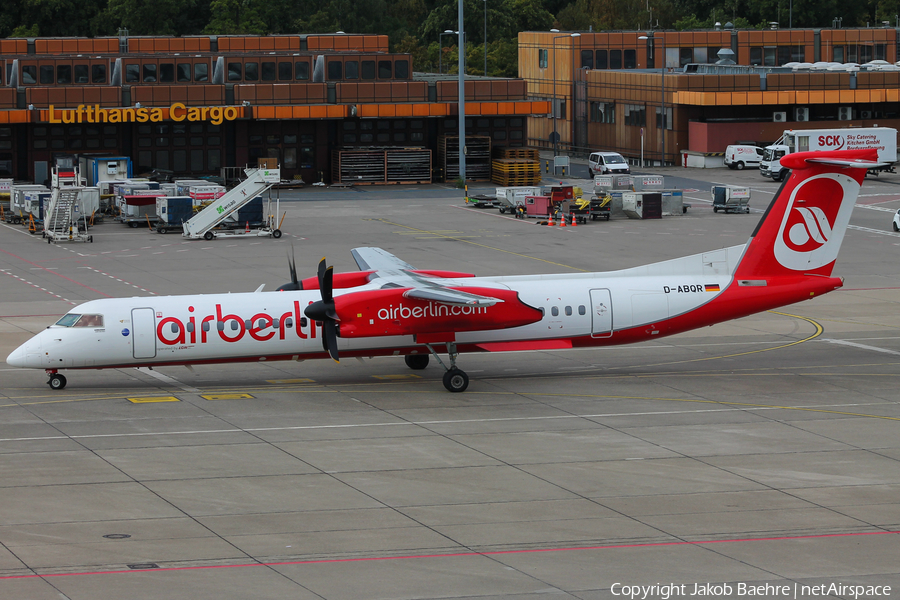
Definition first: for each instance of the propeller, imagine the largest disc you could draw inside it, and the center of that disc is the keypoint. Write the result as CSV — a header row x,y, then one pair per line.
x,y
324,312
294,283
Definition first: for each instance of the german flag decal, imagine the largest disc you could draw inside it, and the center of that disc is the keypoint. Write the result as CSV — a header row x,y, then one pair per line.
x,y
712,287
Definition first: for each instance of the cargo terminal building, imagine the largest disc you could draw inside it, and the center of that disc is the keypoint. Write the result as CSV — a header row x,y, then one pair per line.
x,y
609,91
329,108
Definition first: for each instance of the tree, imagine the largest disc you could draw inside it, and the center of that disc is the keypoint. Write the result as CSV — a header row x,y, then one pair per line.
x,y
233,17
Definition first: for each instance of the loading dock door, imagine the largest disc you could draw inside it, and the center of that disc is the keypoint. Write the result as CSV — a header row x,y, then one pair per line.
x,y
143,335
601,313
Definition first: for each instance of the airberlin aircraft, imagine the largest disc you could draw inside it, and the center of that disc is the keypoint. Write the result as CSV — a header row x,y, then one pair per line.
x,y
391,308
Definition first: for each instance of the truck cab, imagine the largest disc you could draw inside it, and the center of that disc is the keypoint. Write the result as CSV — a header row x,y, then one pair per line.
x,y
770,165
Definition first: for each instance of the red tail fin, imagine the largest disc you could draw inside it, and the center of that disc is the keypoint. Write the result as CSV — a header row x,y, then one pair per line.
x,y
802,230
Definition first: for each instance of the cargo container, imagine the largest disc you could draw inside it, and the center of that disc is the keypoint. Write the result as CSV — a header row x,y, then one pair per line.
x,y
172,212
96,169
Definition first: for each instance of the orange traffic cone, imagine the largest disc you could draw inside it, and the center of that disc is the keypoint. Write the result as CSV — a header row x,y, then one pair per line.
x,y
574,222
550,222
562,220
247,228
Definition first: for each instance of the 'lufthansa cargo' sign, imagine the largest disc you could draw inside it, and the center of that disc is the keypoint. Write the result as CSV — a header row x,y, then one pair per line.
x,y
177,112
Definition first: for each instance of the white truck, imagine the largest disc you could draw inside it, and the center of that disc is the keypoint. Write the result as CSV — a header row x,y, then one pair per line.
x,y
883,139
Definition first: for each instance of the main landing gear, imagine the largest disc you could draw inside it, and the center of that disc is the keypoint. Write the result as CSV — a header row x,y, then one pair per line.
x,y
57,381
455,379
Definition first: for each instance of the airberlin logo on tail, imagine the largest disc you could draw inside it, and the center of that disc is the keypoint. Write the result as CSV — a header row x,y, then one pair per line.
x,y
814,221
807,229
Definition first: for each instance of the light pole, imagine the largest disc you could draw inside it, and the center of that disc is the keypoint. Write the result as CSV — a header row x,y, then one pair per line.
x,y
555,102
462,92
663,121
441,50
485,38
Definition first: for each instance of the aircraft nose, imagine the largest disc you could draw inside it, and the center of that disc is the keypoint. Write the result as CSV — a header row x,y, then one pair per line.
x,y
25,356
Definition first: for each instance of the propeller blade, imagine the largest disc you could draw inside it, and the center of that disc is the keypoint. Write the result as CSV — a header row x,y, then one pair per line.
x,y
292,266
329,339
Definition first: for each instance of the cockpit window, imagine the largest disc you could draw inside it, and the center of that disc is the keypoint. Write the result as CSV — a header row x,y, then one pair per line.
x,y
90,321
68,320
73,320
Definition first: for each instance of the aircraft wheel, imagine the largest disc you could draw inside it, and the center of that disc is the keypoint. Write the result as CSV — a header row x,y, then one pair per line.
x,y
416,362
208,235
276,234
739,166
456,380
57,381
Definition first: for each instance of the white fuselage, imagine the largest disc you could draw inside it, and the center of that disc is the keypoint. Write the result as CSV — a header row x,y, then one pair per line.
x,y
196,329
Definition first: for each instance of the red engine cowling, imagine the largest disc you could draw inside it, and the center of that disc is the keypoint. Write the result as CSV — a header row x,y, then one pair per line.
x,y
388,312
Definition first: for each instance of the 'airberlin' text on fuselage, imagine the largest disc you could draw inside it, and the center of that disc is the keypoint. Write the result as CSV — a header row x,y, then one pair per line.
x,y
262,327
392,313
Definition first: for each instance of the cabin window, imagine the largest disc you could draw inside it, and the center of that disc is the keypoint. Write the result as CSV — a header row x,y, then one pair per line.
x,y
174,327
276,323
568,311
205,326
554,311
289,322
582,310
220,325
190,327
235,325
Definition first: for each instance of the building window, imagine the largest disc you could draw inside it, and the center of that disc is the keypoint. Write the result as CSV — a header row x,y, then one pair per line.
x,y
235,71
201,72
587,59
615,59
149,73
335,70
284,71
301,70
64,74
635,115
603,112
368,69
268,71
351,69
601,60
385,69
837,54
81,74
251,71
184,72
668,118
29,74
401,69
542,58
132,73
630,59
756,57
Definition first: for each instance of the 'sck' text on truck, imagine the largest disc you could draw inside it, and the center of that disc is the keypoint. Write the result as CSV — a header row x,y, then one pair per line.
x,y
883,139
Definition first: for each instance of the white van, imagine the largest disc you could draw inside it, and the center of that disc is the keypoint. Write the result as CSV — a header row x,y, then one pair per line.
x,y
607,163
738,157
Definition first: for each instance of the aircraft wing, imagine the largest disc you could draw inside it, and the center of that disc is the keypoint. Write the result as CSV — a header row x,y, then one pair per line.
x,y
392,272
376,259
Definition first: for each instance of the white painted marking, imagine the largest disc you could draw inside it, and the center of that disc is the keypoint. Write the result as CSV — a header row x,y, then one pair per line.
x,y
169,380
862,346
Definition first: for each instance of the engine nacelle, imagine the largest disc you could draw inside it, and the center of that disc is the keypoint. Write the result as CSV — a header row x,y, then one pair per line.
x,y
388,312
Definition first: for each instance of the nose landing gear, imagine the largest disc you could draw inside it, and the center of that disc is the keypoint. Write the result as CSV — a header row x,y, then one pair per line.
x,y
57,381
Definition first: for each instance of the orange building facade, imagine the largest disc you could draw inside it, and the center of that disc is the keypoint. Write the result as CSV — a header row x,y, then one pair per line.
x,y
194,105
609,92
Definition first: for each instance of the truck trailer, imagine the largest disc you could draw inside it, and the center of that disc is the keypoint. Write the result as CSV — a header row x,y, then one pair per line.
x,y
883,139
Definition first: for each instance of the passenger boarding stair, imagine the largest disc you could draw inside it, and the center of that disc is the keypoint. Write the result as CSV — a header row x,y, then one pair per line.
x,y
61,217
258,181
